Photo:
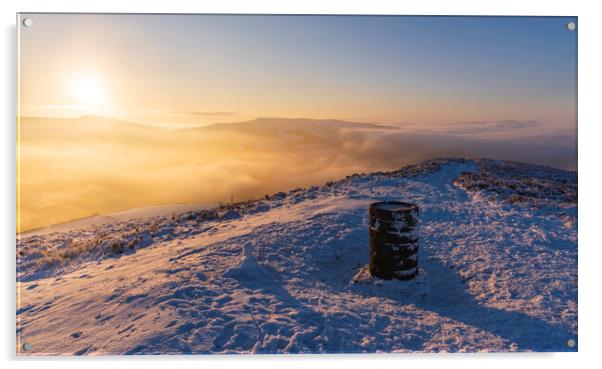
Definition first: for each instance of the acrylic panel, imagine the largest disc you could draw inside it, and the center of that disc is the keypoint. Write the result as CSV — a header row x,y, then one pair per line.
x,y
271,184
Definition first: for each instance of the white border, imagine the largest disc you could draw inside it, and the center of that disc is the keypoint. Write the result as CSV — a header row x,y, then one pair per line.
x,y
590,158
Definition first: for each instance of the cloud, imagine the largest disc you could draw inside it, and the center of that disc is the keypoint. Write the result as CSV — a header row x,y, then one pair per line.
x,y
487,126
72,168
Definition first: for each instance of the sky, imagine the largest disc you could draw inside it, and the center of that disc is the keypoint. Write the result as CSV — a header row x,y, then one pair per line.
x,y
198,69
494,87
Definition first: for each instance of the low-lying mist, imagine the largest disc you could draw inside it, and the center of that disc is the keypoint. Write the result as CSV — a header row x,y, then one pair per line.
x,y
73,168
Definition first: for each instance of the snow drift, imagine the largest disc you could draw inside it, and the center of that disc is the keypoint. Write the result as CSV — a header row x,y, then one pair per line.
x,y
498,271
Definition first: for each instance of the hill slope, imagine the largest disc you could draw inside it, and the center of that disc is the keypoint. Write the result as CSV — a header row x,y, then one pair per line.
x,y
498,259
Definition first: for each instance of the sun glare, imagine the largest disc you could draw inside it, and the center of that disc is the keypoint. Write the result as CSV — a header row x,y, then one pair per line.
x,y
89,92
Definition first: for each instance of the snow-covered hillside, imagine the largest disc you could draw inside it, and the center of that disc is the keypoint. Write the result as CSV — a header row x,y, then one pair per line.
x,y
126,215
498,271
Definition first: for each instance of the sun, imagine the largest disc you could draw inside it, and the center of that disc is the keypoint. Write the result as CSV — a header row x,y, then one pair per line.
x,y
89,92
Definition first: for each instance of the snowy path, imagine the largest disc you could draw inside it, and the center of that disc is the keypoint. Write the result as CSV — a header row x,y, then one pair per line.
x,y
496,277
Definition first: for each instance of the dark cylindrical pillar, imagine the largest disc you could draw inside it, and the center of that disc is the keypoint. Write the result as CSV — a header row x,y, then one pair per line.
x,y
394,240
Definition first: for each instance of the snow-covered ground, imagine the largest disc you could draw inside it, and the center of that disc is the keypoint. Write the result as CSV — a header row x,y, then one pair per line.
x,y
498,271
126,215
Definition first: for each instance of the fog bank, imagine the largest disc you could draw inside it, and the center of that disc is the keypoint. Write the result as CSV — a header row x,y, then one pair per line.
x,y
72,168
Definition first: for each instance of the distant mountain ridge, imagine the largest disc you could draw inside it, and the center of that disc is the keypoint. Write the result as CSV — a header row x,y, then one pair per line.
x,y
270,123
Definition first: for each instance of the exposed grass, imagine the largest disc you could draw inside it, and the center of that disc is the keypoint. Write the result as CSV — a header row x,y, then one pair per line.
x,y
521,184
